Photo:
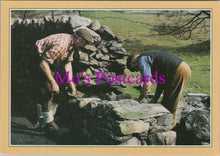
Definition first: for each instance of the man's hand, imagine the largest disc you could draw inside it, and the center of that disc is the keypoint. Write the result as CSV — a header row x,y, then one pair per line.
x,y
55,88
145,89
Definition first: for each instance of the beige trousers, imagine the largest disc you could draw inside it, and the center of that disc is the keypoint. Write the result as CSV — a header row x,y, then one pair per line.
x,y
174,88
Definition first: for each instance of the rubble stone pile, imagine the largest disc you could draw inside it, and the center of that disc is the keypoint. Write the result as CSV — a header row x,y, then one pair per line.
x,y
194,123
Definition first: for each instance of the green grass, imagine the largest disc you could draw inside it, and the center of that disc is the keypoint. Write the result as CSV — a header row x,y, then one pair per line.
x,y
140,37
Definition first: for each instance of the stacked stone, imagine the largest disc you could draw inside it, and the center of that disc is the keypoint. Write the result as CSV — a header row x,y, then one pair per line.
x,y
123,122
105,55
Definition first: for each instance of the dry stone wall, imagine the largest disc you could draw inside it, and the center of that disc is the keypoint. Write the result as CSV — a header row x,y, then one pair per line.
x,y
123,122
101,115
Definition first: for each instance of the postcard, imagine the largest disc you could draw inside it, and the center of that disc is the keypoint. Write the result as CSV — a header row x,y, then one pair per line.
x,y
109,78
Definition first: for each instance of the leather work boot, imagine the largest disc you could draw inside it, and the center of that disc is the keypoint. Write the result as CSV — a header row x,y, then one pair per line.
x,y
51,127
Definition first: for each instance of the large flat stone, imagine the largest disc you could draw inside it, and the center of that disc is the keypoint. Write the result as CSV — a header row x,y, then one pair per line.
x,y
141,111
78,21
196,95
130,127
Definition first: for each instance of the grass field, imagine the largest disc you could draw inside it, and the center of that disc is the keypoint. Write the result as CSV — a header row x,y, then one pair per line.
x,y
139,37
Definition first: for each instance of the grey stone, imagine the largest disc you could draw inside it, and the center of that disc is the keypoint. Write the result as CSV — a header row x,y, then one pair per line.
x,y
157,128
120,53
89,72
106,136
153,121
130,127
94,70
106,33
83,56
113,96
104,50
162,138
90,48
86,63
82,102
123,96
140,111
132,141
198,124
103,64
196,95
99,55
94,61
92,54
95,36
95,25
113,48
190,104
143,142
123,103
105,58
165,120
121,61
116,44
78,21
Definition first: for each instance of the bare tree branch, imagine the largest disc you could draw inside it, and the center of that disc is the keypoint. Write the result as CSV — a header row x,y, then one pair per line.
x,y
183,28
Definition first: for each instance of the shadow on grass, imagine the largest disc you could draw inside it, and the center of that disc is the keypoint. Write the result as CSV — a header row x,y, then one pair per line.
x,y
199,48
136,46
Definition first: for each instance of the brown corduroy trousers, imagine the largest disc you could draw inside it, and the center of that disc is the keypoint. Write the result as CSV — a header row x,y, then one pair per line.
x,y
173,89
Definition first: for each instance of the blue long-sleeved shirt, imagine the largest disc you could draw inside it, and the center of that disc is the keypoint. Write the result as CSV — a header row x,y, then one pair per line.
x,y
145,63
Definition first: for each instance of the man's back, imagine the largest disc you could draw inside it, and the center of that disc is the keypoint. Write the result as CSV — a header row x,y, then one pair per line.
x,y
164,63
